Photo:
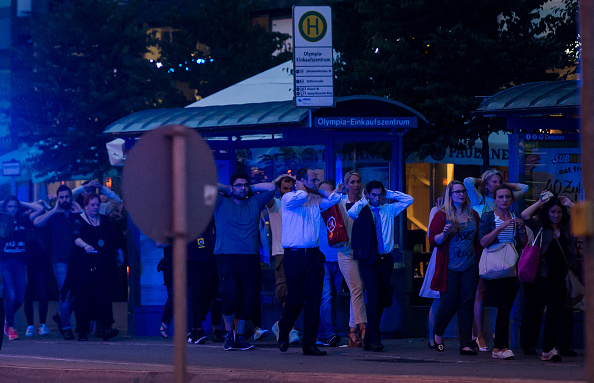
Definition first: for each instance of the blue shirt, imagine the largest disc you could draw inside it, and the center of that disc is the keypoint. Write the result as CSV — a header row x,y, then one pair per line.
x,y
237,225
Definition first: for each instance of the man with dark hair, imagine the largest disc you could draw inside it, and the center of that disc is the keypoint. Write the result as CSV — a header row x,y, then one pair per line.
x,y
303,260
372,241
60,221
237,225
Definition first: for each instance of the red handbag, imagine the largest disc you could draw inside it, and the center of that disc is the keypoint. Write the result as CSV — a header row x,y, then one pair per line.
x,y
335,227
529,260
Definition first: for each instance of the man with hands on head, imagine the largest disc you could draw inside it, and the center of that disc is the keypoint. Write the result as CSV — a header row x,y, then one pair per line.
x,y
237,217
303,260
372,241
60,222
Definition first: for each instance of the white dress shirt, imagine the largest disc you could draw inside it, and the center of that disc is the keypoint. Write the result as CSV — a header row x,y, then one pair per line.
x,y
301,218
387,212
276,225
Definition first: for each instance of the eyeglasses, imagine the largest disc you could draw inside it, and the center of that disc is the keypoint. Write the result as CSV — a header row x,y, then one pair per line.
x,y
241,185
459,192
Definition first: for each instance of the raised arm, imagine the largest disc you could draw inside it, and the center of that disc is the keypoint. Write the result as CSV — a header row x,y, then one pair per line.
x,y
43,218
357,206
518,189
402,202
471,183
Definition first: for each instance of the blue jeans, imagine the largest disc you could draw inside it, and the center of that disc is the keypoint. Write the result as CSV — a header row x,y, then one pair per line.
x,y
332,281
60,270
14,281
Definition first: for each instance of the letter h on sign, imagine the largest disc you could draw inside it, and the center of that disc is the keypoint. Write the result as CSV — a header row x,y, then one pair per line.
x,y
310,26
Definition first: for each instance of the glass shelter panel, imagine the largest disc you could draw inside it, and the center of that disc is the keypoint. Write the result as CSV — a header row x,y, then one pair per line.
x,y
370,159
265,164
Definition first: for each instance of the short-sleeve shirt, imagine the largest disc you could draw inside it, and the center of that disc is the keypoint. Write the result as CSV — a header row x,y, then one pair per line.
x,y
461,251
237,225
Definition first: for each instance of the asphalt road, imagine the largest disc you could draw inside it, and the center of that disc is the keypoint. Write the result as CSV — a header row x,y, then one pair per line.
x,y
150,359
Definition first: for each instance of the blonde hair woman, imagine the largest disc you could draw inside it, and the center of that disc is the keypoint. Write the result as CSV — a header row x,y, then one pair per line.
x,y
454,231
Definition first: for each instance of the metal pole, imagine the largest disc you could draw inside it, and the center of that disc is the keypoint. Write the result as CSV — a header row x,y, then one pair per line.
x,y
587,129
180,241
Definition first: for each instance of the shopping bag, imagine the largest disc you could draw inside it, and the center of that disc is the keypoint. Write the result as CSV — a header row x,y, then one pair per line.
x,y
335,227
529,260
575,289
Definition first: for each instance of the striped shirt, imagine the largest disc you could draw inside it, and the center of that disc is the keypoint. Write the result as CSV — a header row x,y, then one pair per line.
x,y
507,234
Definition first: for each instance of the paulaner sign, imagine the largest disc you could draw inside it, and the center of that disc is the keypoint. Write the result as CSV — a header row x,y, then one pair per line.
x,y
361,122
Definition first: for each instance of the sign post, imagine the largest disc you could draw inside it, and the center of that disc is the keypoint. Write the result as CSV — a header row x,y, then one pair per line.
x,y
312,56
169,167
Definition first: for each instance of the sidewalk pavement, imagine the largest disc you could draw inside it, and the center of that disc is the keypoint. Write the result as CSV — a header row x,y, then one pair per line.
x,y
150,359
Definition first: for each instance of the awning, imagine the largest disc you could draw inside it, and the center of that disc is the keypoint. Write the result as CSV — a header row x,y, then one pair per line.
x,y
535,98
211,117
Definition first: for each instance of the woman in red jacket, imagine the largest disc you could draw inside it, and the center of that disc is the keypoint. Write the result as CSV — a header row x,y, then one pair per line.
x,y
454,231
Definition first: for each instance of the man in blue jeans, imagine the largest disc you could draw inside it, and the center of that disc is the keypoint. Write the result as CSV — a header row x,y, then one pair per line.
x,y
59,221
327,332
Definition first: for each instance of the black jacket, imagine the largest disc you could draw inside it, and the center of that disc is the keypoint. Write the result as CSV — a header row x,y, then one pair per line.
x,y
364,237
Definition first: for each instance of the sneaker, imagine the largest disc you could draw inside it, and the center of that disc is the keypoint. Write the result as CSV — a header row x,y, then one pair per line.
x,y
197,337
260,334
30,331
12,334
333,340
275,330
43,330
322,342
58,320
242,344
294,336
229,341
164,330
68,335
507,354
552,355
217,336
110,333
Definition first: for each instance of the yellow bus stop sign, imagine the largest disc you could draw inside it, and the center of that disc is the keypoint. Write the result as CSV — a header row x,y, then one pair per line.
x,y
313,26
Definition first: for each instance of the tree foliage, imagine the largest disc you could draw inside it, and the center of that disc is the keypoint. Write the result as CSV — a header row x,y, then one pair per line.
x,y
82,70
219,44
442,57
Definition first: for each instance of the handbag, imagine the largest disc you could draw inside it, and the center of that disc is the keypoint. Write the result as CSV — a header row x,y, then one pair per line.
x,y
529,260
499,260
575,290
335,227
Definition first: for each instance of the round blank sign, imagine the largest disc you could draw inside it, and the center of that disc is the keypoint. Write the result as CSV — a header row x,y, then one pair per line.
x,y
147,182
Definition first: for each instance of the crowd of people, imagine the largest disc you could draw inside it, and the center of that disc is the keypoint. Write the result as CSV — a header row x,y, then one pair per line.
x,y
313,258
73,239
322,234
472,222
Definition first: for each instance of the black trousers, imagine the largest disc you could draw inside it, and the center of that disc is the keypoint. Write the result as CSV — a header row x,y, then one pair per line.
x,y
543,292
503,291
304,270
238,283
458,297
376,277
203,286
93,302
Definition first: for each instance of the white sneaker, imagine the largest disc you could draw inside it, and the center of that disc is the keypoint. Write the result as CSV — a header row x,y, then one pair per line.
x,y
552,355
43,330
30,331
275,330
293,336
260,334
507,354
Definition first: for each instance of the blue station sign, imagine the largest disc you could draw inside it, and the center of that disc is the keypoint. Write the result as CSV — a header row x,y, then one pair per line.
x,y
365,122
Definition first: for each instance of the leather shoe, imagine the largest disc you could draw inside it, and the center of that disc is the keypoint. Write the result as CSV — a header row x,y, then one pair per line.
x,y
373,346
283,345
313,351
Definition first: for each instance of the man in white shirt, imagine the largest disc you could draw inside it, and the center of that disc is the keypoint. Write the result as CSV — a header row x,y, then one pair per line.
x,y
372,241
303,261
285,185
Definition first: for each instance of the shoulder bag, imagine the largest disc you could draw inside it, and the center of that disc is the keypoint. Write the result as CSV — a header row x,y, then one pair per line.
x,y
529,260
499,260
